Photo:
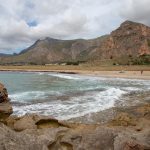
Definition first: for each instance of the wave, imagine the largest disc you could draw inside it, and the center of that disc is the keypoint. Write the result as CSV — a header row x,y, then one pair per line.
x,y
98,93
64,76
31,95
40,73
76,106
130,89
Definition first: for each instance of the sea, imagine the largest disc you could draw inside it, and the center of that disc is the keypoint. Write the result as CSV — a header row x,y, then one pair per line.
x,y
66,96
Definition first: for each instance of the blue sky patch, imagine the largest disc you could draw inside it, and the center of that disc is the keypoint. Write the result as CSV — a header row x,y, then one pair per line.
x,y
32,23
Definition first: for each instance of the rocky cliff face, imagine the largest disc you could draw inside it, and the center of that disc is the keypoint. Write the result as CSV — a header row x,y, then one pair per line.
x,y
129,40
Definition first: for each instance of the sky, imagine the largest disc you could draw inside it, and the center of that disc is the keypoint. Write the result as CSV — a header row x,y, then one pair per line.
x,y
22,22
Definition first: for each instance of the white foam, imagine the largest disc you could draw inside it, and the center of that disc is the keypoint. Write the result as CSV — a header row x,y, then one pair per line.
x,y
64,76
130,89
31,95
92,101
75,107
41,73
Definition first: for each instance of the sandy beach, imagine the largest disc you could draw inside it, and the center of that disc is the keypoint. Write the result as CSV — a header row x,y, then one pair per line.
x,y
111,74
132,72
121,74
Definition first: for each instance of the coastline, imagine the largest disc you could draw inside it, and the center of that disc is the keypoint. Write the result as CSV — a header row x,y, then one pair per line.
x,y
122,128
110,74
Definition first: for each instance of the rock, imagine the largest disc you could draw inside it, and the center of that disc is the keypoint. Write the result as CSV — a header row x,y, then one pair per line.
x,y
123,119
10,121
143,124
87,139
132,141
49,122
144,111
33,121
83,137
25,122
30,139
3,94
5,106
5,110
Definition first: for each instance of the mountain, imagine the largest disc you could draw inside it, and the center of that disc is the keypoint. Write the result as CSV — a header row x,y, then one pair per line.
x,y
5,55
127,43
53,50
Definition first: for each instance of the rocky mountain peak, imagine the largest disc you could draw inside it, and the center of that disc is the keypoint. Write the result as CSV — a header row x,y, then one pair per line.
x,y
131,38
49,39
128,23
130,28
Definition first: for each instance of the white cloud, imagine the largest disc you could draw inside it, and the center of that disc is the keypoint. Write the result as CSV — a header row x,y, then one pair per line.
x,y
136,10
24,21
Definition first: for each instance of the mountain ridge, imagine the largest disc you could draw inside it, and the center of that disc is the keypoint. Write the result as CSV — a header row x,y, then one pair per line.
x,y
129,40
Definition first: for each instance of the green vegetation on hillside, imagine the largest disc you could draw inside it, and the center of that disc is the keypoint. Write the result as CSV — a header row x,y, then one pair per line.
x,y
142,60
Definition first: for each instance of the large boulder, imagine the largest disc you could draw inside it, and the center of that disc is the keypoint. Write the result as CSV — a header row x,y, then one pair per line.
x,y
3,94
5,106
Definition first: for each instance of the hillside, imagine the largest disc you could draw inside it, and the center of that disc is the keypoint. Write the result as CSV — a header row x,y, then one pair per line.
x,y
127,44
130,41
53,50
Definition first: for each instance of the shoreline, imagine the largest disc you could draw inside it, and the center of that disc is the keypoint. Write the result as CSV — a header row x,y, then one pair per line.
x,y
108,74
126,127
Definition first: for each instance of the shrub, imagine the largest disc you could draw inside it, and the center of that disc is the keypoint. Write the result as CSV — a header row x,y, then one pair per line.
x,y
148,41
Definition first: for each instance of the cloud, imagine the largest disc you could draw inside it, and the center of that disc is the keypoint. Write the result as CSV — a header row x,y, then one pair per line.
x,y
136,10
22,22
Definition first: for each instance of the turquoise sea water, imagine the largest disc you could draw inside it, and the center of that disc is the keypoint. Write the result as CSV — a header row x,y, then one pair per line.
x,y
66,96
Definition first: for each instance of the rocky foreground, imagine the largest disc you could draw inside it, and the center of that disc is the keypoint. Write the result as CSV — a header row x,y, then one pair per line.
x,y
129,130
